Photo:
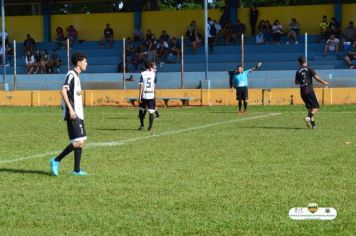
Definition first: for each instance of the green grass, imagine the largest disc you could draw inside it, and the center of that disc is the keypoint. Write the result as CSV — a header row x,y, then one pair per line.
x,y
204,170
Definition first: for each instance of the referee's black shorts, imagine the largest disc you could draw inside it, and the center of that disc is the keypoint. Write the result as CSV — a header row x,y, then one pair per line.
x,y
76,130
242,93
310,99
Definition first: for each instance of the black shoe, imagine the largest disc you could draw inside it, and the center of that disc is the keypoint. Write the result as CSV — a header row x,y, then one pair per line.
x,y
149,129
141,128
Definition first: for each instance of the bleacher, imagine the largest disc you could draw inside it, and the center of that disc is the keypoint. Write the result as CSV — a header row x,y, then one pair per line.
x,y
224,57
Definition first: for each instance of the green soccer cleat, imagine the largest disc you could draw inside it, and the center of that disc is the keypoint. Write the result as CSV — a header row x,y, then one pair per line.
x,y
80,173
54,166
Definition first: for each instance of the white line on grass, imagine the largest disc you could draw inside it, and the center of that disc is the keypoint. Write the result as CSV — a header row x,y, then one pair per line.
x,y
122,142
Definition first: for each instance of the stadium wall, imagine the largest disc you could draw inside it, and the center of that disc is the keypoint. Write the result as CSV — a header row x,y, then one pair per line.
x,y
199,97
90,26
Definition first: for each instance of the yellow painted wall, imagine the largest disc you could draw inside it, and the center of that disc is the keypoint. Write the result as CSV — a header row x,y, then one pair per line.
x,y
18,27
214,97
90,27
349,14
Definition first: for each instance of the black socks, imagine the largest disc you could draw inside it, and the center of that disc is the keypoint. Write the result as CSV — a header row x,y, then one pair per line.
x,y
65,152
77,157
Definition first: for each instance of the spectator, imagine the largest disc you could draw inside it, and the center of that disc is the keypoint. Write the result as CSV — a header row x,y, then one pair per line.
x,y
45,58
162,50
334,27
138,35
174,50
149,35
2,51
349,34
164,36
38,64
253,18
193,26
277,32
332,45
194,37
351,56
268,32
324,28
293,31
72,35
108,36
260,38
212,33
29,44
239,29
60,39
55,61
29,61
228,32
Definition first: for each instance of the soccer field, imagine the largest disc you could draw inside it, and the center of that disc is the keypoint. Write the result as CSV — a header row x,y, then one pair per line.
x,y
203,170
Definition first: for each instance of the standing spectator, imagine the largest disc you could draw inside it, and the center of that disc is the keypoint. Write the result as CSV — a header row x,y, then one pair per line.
x,y
29,61
277,32
324,28
2,51
29,44
55,61
194,37
253,18
331,45
334,27
72,35
108,36
293,31
212,33
60,39
351,55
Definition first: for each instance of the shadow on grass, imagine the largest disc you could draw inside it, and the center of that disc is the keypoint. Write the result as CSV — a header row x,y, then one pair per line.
x,y
271,127
121,118
22,171
115,129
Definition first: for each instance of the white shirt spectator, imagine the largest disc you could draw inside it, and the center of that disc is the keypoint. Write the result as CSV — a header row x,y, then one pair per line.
x,y
332,44
29,61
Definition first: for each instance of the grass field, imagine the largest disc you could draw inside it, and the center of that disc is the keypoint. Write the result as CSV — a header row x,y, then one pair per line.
x,y
203,170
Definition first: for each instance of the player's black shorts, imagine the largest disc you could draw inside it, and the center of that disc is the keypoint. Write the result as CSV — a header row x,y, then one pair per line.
x,y
310,99
242,93
150,104
76,130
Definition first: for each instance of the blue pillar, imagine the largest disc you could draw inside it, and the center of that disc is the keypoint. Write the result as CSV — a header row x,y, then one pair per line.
x,y
233,10
338,11
137,6
46,21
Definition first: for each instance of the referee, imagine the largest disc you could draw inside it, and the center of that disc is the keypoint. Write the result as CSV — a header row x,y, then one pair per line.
x,y
304,78
241,85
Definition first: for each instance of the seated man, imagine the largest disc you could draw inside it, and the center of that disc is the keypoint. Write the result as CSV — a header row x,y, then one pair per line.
x,y
349,34
332,45
60,39
239,29
108,36
195,38
324,29
72,35
351,56
293,31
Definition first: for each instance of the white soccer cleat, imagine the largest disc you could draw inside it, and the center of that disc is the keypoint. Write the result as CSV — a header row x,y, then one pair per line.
x,y
308,122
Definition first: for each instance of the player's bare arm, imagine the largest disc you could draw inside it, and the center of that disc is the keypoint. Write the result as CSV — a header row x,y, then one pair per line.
x,y
317,78
66,100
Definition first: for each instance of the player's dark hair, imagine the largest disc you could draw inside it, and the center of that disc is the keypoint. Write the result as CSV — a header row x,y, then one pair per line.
x,y
78,56
147,65
238,72
301,60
